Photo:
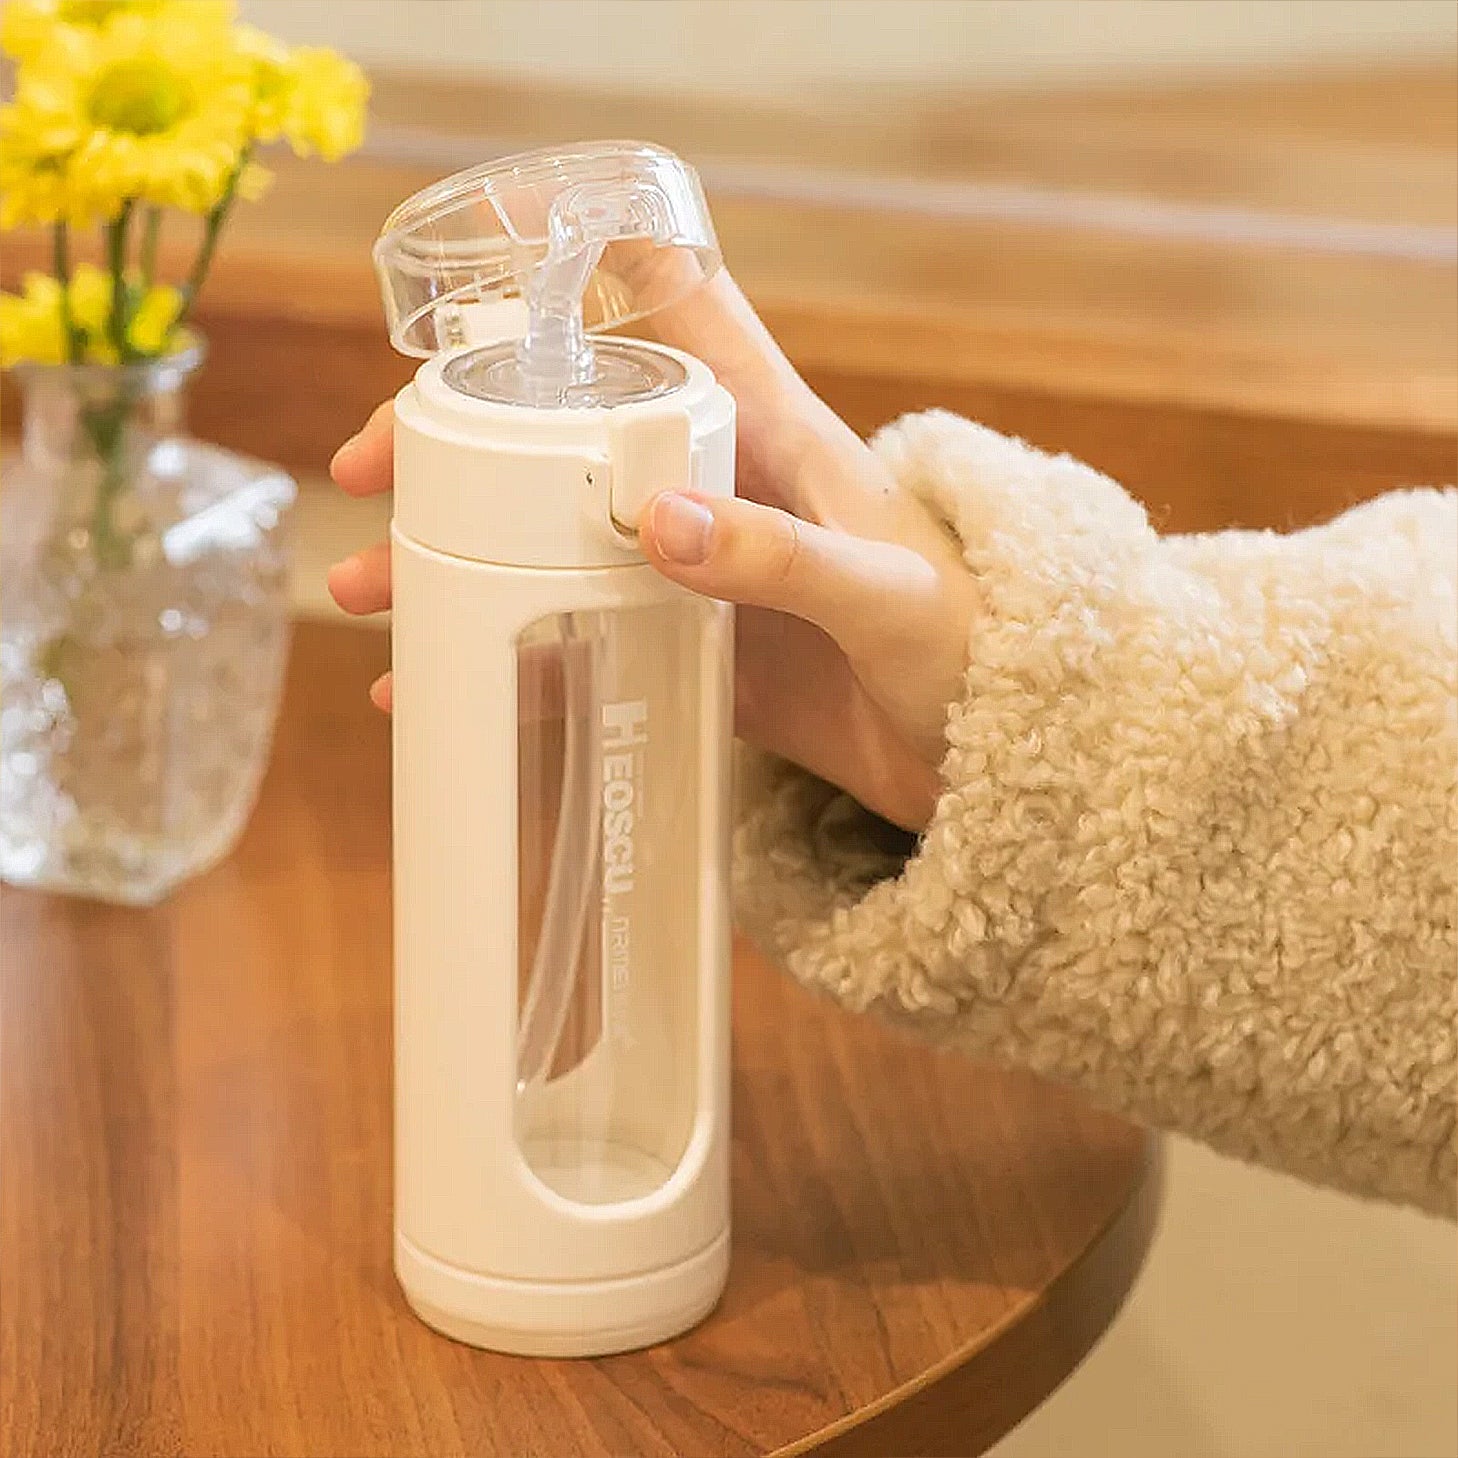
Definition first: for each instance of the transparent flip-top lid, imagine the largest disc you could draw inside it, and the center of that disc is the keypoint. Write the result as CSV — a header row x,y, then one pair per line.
x,y
526,257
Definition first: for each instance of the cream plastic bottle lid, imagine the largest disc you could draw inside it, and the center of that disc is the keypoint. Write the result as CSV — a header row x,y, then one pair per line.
x,y
521,259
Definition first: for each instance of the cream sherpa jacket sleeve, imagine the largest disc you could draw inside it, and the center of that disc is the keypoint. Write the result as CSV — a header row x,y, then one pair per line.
x,y
1197,847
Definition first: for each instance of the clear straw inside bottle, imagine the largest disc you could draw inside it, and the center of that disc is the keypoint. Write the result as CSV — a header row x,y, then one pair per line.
x,y
610,798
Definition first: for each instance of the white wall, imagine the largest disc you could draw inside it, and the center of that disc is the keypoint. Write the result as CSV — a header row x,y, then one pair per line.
x,y
759,46
1271,1319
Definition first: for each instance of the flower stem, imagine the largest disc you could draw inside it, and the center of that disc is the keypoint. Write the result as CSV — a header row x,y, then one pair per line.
x,y
212,226
116,255
105,426
61,262
148,258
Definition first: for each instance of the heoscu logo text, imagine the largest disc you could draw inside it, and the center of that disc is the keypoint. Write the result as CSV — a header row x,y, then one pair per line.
x,y
624,735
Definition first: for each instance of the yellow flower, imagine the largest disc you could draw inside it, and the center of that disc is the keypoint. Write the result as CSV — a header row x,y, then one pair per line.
x,y
325,109
148,106
253,181
90,296
152,313
157,101
272,80
32,177
312,97
32,323
151,323
28,26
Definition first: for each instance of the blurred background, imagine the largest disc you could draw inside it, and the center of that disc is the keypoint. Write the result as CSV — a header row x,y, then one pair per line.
x,y
1209,245
769,48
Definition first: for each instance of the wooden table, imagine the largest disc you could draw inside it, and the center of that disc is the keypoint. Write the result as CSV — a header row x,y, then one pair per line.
x,y
195,1210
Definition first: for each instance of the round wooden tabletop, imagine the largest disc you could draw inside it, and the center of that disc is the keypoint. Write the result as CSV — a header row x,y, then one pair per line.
x,y
195,1209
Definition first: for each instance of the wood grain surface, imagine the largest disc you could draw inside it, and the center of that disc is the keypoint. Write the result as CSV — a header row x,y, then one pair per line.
x,y
195,1210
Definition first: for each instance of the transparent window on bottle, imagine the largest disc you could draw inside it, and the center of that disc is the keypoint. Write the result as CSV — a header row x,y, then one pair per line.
x,y
610,797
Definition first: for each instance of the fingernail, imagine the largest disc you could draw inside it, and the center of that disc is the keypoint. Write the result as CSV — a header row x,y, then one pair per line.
x,y
682,529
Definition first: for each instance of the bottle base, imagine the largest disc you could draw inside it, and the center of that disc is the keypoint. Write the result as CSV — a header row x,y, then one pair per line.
x,y
562,1318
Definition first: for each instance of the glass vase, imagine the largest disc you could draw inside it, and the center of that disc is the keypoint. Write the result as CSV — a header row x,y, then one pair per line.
x,y
144,622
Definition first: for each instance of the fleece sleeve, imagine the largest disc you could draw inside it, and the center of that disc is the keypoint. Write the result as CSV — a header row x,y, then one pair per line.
x,y
1196,850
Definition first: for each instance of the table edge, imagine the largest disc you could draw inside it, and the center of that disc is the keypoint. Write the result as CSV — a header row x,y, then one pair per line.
x,y
913,1417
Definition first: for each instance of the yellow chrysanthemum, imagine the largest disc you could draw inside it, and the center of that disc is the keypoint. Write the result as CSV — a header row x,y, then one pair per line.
x,y
326,104
32,176
312,97
32,323
152,313
152,107
152,320
253,181
91,301
155,103
27,27
272,80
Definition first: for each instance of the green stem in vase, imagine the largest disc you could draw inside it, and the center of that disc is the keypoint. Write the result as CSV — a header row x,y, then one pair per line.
x,y
212,227
147,258
61,262
116,257
105,427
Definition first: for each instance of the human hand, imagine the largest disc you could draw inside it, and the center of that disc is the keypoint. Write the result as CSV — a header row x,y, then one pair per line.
x,y
855,606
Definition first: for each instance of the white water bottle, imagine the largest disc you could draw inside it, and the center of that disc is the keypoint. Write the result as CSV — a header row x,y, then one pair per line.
x,y
562,723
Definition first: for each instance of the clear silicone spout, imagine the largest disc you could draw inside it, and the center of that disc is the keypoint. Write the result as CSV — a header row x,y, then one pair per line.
x,y
555,354
534,254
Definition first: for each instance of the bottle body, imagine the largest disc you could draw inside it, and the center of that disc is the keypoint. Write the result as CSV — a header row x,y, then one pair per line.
x,y
562,938
613,812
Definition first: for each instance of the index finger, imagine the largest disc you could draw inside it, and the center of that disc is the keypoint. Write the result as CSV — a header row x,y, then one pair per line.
x,y
365,464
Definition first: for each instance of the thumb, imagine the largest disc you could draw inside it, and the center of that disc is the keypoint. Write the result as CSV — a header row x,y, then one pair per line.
x,y
757,555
